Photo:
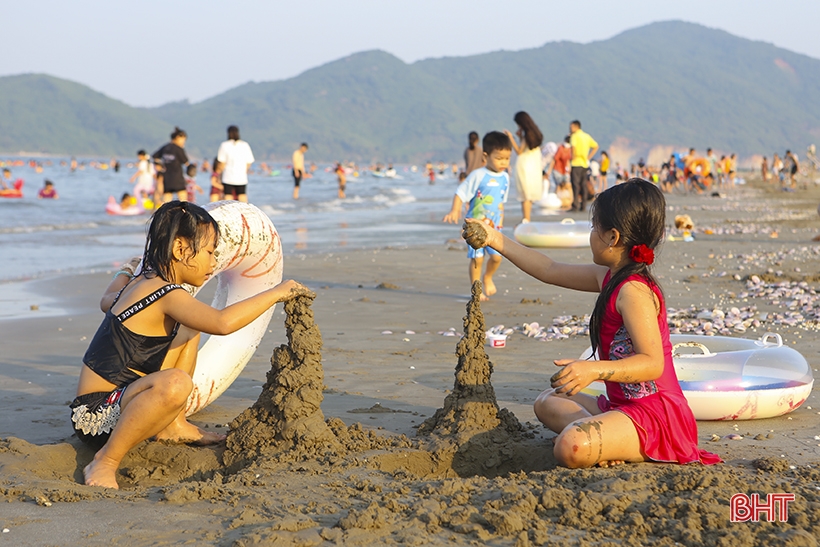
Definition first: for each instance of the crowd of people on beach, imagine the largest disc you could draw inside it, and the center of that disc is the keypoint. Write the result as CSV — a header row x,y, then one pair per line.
x,y
136,374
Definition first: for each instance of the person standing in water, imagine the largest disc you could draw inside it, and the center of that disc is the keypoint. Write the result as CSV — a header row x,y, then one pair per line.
x,y
473,154
144,177
529,178
340,174
298,168
172,158
236,158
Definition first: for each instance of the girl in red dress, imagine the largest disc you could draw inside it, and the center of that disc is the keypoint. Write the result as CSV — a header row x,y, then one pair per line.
x,y
644,415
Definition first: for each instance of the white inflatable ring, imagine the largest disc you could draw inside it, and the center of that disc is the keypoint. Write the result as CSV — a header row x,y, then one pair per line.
x,y
727,378
565,234
249,261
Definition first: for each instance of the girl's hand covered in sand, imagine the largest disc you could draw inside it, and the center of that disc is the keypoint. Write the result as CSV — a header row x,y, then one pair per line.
x,y
574,376
478,234
291,289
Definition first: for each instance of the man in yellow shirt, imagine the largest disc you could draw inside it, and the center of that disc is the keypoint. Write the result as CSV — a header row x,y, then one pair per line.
x,y
583,148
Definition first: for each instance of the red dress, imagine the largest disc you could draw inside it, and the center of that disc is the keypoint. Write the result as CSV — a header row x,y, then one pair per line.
x,y
665,424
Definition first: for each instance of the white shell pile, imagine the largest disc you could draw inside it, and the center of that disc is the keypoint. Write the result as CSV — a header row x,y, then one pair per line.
x,y
798,303
797,298
561,328
694,320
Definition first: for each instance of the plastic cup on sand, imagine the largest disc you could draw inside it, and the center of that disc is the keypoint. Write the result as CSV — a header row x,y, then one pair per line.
x,y
497,340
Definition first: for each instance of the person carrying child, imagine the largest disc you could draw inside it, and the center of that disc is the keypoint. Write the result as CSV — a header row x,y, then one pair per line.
x,y
137,371
486,190
644,415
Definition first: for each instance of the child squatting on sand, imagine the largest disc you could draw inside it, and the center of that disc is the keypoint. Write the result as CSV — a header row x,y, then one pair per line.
x,y
137,371
644,415
486,190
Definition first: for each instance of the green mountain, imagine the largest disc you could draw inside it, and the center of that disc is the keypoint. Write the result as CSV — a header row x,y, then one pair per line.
x,y
665,84
40,113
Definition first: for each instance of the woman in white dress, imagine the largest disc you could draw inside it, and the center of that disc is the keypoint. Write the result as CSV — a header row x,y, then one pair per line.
x,y
529,180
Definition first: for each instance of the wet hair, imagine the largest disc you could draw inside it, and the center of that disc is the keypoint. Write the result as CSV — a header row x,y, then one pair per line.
x,y
178,133
175,219
233,133
576,122
532,135
48,183
190,170
473,136
142,153
495,140
637,209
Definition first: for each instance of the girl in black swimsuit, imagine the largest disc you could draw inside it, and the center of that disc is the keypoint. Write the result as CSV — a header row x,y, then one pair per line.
x,y
137,371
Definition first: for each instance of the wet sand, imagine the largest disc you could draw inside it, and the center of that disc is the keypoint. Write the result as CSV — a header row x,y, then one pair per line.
x,y
373,480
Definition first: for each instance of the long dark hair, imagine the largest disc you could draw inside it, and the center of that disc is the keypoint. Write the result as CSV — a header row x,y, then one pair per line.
x,y
637,209
175,219
473,136
532,135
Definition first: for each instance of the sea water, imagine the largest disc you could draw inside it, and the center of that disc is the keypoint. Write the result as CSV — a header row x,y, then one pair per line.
x,y
73,234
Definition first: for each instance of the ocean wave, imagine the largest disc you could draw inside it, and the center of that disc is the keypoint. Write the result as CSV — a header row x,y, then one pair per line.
x,y
48,227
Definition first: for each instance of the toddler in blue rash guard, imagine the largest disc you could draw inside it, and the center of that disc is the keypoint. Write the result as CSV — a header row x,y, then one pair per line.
x,y
485,190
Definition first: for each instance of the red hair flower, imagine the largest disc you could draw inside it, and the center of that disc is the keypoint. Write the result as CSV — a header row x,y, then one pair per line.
x,y
642,253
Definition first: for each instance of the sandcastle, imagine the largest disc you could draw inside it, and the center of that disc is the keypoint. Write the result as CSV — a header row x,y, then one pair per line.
x,y
469,435
288,411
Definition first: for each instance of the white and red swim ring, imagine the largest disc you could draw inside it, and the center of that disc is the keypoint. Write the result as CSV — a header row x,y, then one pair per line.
x,y
249,261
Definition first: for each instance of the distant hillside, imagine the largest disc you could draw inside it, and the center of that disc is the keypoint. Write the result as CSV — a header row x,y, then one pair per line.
x,y
668,84
40,113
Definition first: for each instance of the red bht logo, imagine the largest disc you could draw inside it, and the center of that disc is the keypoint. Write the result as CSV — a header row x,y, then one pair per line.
x,y
745,508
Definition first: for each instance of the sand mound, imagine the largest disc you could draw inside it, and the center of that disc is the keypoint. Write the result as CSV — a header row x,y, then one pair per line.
x,y
288,411
470,434
286,421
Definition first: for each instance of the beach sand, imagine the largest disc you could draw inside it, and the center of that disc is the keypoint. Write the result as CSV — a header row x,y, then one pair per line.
x,y
368,478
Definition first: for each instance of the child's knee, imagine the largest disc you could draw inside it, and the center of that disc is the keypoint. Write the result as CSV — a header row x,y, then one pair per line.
x,y
175,386
573,450
542,405
495,258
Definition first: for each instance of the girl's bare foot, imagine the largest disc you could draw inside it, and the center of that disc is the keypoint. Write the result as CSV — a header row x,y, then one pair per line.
x,y
489,286
483,298
101,471
184,432
610,463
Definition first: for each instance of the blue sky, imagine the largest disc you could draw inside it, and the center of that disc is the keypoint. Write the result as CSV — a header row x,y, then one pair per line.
x,y
150,52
